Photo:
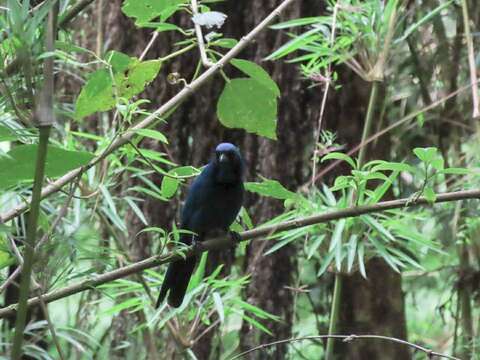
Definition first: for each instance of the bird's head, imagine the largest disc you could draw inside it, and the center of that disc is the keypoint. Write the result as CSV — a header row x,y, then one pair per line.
x,y
228,163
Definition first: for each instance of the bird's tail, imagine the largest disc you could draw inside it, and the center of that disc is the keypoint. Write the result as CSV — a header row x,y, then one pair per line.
x,y
176,280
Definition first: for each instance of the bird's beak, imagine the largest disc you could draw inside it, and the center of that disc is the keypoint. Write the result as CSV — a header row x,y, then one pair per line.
x,y
223,158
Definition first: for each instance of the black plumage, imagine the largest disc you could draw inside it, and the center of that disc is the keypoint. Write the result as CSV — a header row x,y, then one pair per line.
x,y
213,202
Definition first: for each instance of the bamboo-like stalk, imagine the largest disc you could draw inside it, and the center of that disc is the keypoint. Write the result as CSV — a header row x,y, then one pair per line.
x,y
337,293
44,118
225,242
30,243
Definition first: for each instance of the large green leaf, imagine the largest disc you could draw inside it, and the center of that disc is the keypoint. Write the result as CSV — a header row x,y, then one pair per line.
x,y
7,134
256,72
130,76
146,10
271,188
96,95
19,163
246,104
6,259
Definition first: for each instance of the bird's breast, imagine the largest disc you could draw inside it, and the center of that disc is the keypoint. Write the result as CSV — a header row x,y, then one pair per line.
x,y
220,208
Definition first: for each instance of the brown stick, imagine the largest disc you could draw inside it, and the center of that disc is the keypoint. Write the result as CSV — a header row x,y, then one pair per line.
x,y
224,242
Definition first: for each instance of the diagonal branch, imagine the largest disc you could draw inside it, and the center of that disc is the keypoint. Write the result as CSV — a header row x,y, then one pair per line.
x,y
150,120
225,242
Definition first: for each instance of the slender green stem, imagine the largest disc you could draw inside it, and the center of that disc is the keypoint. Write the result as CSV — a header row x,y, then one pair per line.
x,y
336,301
335,310
178,52
368,122
30,242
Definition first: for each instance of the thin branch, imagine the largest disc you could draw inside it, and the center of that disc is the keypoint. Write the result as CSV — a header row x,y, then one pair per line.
x,y
149,45
73,12
50,324
152,118
471,60
347,339
225,242
201,44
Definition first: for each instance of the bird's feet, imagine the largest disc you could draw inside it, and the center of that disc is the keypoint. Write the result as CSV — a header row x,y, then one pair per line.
x,y
235,237
197,248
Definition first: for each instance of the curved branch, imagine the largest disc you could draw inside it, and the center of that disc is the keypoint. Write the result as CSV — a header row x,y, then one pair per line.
x,y
347,339
225,242
152,118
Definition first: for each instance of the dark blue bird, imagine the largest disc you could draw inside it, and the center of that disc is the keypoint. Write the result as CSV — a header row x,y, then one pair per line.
x,y
213,202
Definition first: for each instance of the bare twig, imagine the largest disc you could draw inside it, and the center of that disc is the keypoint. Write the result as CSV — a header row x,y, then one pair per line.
x,y
225,242
201,44
149,45
347,339
152,118
328,81
471,60
51,327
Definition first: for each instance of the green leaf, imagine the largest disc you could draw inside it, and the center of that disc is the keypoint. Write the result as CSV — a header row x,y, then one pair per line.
x,y
153,134
146,10
437,163
314,247
257,73
169,186
456,171
199,272
325,263
217,300
7,134
118,60
352,248
420,120
341,182
226,43
139,75
6,259
430,195
426,154
392,166
340,156
361,259
271,188
101,90
336,242
183,172
96,95
19,163
246,104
